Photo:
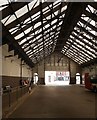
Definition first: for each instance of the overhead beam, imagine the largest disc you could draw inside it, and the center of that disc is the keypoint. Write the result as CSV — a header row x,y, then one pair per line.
x,y
16,46
73,14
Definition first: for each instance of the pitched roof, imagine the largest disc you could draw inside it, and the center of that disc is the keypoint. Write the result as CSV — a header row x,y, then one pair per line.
x,y
36,29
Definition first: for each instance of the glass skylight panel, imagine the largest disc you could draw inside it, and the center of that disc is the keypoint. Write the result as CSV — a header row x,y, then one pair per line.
x,y
74,33
90,43
88,47
35,50
71,37
40,49
25,45
86,18
3,2
54,26
52,34
58,28
48,17
90,30
68,43
37,25
41,43
81,43
25,49
28,30
37,31
35,16
80,24
56,3
28,51
56,13
39,36
63,50
63,15
35,47
5,19
89,52
38,2
54,21
13,30
27,20
93,32
32,45
33,40
30,56
24,40
95,47
90,9
31,4
86,40
94,56
79,46
64,8
19,36
21,11
77,40
83,59
93,23
11,19
75,43
60,23
45,9
70,40
57,34
48,25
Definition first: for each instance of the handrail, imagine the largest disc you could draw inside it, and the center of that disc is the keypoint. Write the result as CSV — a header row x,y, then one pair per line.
x,y
13,97
13,89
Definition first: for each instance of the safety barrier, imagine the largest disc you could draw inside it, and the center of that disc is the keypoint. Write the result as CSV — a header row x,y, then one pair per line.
x,y
12,96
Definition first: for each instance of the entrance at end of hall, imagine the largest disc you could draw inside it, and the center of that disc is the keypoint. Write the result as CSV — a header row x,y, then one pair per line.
x,y
57,77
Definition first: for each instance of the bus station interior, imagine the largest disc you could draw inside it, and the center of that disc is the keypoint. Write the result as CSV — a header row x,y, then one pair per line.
x,y
53,45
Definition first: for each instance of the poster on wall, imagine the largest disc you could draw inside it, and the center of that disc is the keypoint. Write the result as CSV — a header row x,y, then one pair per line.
x,y
57,77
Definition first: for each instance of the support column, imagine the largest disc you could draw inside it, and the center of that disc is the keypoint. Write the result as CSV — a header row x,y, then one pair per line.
x,y
44,72
69,68
21,70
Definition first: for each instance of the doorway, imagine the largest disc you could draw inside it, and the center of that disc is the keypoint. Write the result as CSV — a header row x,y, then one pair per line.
x,y
57,77
78,78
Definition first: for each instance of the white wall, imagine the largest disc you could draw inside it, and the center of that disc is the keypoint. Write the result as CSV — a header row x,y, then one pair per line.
x,y
11,65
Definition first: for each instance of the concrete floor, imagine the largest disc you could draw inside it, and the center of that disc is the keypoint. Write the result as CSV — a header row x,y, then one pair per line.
x,y
58,102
